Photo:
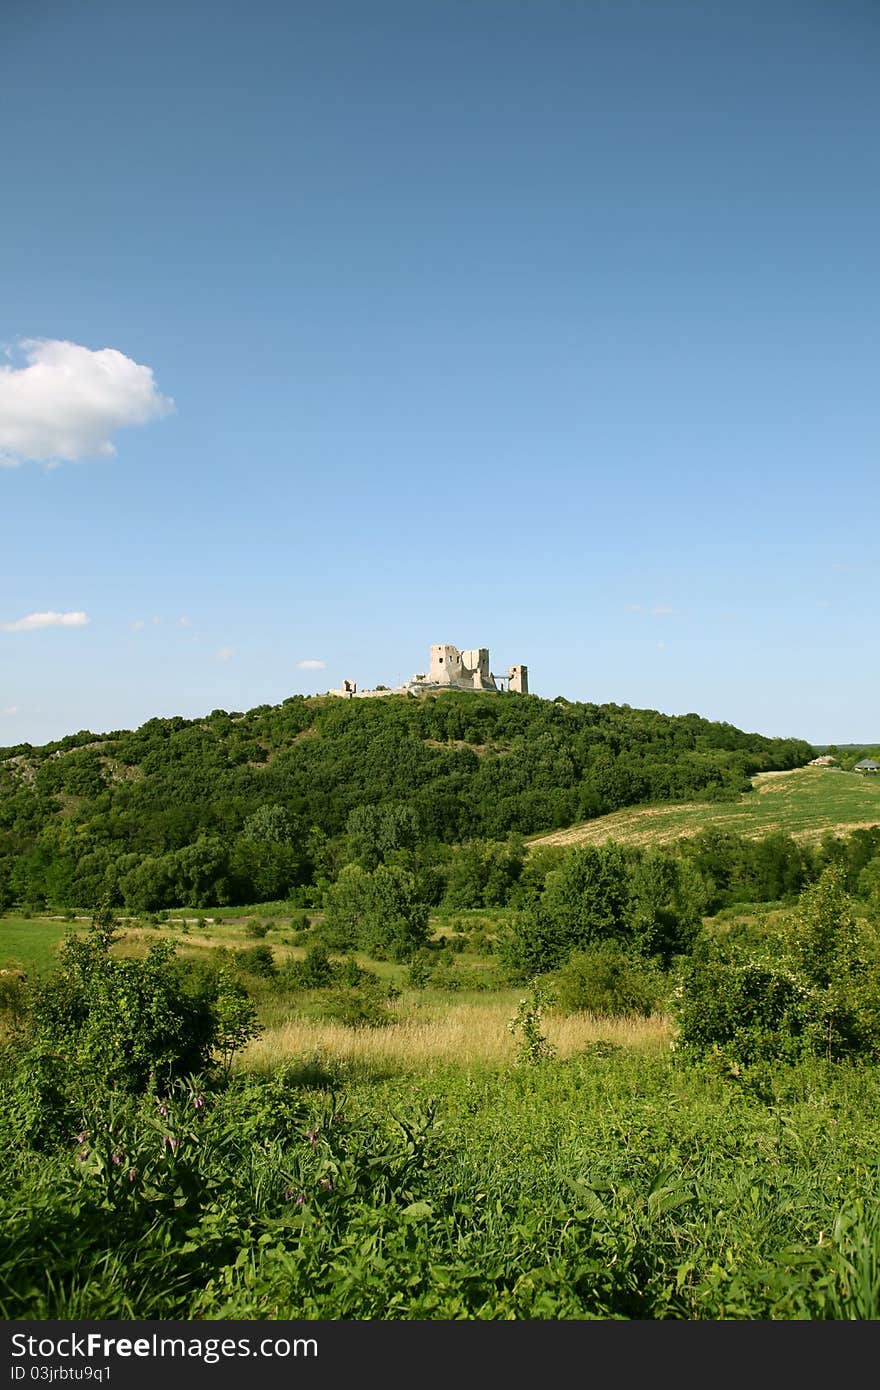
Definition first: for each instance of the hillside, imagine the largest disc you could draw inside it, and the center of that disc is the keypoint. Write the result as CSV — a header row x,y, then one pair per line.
x,y
243,807
806,804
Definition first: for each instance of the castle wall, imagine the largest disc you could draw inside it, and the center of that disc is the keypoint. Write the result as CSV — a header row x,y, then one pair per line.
x,y
450,669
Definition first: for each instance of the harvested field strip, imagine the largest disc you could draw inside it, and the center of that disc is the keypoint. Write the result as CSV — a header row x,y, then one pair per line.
x,y
806,804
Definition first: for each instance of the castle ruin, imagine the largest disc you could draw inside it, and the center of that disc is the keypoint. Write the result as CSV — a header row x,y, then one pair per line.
x,y
450,669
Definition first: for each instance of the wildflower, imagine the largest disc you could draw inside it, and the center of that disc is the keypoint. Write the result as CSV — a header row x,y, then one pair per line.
x,y
198,1102
163,1109
132,1174
172,1142
327,1184
300,1199
81,1138
312,1136
82,1155
116,1158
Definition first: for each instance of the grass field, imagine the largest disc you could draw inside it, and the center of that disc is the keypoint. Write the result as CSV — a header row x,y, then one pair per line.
x,y
31,943
805,804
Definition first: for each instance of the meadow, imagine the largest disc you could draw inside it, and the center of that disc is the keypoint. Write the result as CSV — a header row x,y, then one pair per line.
x,y
806,804
426,1167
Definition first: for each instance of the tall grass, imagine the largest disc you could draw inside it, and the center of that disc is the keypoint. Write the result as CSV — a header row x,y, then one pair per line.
x,y
461,1032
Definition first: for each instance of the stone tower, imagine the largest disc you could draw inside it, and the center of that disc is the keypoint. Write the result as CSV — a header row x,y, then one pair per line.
x,y
518,679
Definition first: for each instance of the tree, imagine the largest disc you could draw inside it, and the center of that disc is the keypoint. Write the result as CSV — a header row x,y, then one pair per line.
x,y
381,912
374,832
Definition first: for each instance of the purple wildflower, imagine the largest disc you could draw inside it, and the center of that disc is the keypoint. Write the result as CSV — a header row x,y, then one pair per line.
x,y
198,1102
327,1184
312,1136
117,1158
132,1174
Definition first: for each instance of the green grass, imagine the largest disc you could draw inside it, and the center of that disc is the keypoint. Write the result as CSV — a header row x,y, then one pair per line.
x,y
608,1186
806,804
31,943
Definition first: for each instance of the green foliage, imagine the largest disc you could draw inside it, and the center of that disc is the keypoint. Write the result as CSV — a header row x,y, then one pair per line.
x,y
356,1006
222,810
534,1047
813,989
648,904
607,981
123,1024
257,960
482,873
374,832
380,912
234,1019
610,1186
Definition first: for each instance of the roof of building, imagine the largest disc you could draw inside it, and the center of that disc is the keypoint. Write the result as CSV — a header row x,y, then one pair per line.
x,y
867,765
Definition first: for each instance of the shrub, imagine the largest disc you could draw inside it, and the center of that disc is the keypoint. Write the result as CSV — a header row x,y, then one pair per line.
x,y
363,1007
605,980
316,971
125,1024
257,960
812,988
380,911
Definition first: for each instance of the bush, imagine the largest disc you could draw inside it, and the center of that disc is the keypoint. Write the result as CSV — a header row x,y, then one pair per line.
x,y
364,1007
125,1025
606,981
811,989
257,960
317,971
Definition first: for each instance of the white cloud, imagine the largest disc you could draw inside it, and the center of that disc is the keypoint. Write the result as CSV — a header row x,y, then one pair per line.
x,y
32,621
10,709
225,653
68,400
310,664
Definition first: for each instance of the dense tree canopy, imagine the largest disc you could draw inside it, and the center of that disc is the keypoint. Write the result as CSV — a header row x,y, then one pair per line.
x,y
243,807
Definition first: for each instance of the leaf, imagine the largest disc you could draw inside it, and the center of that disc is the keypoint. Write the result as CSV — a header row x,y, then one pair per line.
x,y
418,1211
666,1199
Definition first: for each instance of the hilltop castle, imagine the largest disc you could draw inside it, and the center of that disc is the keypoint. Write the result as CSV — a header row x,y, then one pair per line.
x,y
468,671
451,669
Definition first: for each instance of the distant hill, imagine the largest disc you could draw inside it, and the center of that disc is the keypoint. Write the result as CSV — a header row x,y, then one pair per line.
x,y
245,806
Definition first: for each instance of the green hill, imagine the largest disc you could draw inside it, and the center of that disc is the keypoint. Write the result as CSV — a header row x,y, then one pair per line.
x,y
244,807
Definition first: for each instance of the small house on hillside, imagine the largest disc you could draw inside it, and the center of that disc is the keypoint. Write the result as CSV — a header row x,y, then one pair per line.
x,y
825,760
867,765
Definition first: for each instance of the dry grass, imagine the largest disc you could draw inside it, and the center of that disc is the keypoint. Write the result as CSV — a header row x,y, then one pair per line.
x,y
452,1033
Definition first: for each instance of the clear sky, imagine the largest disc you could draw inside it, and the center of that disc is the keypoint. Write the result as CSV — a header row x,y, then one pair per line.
x,y
543,325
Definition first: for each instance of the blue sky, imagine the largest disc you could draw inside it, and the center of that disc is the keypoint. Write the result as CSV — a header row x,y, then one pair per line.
x,y
548,327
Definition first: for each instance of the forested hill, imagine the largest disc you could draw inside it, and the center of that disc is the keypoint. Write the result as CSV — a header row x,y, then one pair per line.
x,y
221,795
